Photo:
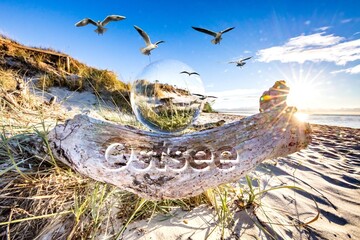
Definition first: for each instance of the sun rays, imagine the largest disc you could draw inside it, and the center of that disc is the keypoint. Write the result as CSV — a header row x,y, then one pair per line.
x,y
305,85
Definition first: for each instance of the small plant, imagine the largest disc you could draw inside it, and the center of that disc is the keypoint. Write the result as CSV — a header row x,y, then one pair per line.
x,y
208,109
8,80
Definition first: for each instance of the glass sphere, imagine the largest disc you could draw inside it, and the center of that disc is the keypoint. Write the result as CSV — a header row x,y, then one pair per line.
x,y
167,96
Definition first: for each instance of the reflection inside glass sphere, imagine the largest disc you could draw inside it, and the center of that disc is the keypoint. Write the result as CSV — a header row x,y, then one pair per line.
x,y
167,96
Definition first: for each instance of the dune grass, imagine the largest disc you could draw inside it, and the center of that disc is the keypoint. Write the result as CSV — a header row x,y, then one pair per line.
x,y
50,71
8,80
169,118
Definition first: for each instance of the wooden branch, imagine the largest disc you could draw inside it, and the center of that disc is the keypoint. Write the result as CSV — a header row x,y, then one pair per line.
x,y
158,166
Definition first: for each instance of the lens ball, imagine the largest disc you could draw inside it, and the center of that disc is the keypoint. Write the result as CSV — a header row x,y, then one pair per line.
x,y
167,96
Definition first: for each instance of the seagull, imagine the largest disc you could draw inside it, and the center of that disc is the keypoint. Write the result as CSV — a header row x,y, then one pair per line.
x,y
100,25
202,97
190,73
216,35
241,62
149,46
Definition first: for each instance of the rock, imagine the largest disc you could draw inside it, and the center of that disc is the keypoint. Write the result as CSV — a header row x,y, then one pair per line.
x,y
275,97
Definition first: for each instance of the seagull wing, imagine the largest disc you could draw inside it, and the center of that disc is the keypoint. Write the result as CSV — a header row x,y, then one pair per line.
x,y
159,42
185,72
112,18
199,95
143,35
195,73
203,30
84,22
226,30
245,59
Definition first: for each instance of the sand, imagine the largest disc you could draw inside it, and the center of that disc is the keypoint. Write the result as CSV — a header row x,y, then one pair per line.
x,y
328,172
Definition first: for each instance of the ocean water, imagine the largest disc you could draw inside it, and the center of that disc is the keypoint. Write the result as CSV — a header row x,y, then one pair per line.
x,y
340,120
352,121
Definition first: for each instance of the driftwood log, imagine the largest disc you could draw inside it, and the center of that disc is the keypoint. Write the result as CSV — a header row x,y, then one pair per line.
x,y
159,166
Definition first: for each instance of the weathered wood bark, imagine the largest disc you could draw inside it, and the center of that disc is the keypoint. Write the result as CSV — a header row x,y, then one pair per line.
x,y
157,166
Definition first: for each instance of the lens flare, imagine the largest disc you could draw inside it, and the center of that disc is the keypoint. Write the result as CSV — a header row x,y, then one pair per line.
x,y
302,117
302,94
306,85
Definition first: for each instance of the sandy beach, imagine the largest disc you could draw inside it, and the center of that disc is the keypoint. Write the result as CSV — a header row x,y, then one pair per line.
x,y
328,172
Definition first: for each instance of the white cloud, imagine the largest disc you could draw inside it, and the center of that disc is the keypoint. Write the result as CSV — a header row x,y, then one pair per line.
x,y
346,20
307,22
315,48
316,39
352,70
322,29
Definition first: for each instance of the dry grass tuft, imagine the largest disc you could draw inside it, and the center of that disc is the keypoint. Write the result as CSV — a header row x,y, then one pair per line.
x,y
8,80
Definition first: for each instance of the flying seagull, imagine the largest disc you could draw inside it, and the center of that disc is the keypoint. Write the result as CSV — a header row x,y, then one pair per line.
x,y
241,62
203,97
216,35
100,25
190,73
149,46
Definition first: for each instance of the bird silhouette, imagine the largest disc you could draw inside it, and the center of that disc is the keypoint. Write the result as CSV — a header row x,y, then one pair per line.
x,y
216,35
52,100
100,25
190,73
149,46
241,62
203,97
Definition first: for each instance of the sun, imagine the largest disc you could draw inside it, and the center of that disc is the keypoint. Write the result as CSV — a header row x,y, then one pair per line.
x,y
305,86
303,94
302,117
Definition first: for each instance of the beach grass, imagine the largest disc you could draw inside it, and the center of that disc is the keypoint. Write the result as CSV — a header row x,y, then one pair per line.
x,y
168,118
50,71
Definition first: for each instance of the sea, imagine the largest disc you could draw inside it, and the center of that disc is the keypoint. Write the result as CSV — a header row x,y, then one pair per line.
x,y
340,120
352,121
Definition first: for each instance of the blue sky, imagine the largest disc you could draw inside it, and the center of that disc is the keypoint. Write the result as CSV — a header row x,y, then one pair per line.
x,y
313,45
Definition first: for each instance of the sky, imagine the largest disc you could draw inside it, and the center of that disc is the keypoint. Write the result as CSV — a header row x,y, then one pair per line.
x,y
313,45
